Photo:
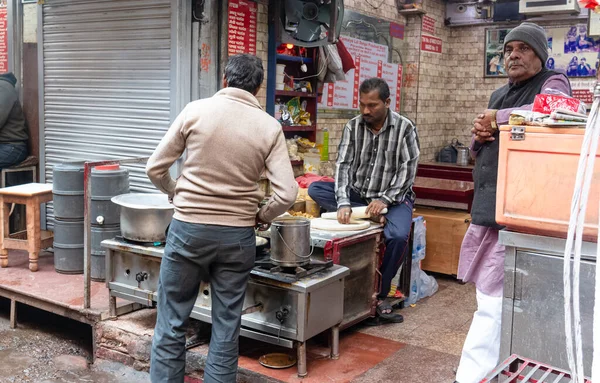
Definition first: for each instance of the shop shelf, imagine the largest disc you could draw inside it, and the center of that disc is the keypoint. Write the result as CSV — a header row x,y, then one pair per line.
x,y
298,128
297,163
291,93
290,58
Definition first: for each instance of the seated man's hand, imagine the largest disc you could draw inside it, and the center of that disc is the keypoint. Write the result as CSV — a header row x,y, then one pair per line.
x,y
344,214
375,207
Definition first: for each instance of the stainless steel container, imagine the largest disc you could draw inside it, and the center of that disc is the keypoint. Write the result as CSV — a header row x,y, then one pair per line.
x,y
67,191
462,156
105,185
290,242
144,217
68,247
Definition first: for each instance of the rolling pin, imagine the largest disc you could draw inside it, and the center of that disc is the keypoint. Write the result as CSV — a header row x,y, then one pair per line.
x,y
357,213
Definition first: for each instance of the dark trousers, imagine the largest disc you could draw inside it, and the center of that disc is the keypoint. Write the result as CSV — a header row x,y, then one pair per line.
x,y
396,230
224,256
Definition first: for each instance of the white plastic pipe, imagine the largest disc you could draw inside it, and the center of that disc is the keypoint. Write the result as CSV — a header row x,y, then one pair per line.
x,y
576,222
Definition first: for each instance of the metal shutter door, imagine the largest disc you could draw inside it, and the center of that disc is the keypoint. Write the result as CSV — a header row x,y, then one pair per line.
x,y
111,71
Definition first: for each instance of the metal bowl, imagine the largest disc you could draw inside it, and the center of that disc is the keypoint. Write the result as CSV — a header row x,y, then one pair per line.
x,y
144,217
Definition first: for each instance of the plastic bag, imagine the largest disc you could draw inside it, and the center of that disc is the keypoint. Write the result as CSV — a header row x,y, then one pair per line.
x,y
582,106
421,284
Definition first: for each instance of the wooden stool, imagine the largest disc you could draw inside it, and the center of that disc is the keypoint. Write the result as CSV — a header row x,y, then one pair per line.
x,y
33,239
29,164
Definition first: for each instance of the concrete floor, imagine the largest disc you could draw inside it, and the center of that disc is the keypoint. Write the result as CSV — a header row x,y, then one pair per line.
x,y
47,348
425,348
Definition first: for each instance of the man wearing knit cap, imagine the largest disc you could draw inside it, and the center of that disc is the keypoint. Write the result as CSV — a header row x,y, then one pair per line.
x,y
13,131
482,257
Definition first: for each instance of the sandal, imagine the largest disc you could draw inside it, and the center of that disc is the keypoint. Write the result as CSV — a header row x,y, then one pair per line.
x,y
389,317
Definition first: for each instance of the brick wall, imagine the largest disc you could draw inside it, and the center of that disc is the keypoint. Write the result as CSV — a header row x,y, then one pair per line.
x,y
262,46
442,93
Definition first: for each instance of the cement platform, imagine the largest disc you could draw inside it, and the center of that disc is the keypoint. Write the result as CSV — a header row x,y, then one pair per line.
x,y
50,291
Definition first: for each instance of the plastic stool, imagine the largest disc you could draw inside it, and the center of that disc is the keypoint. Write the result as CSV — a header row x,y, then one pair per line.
x,y
28,165
33,239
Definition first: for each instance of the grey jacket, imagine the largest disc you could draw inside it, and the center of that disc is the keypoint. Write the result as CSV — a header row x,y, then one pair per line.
x,y
12,121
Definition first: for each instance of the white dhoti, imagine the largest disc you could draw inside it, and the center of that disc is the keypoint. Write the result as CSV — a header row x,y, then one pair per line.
x,y
482,263
482,347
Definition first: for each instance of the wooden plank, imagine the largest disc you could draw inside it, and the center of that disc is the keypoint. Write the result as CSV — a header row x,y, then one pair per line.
x,y
27,190
13,314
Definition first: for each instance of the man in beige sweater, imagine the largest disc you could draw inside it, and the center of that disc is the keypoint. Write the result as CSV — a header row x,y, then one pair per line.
x,y
229,142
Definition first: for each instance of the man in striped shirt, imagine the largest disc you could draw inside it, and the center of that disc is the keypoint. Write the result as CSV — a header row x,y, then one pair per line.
x,y
376,167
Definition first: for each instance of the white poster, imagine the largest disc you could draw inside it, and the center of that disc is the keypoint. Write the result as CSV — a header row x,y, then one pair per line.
x,y
371,60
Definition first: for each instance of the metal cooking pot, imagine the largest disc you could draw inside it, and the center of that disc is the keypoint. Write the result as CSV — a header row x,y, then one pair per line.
x,y
144,217
290,242
463,154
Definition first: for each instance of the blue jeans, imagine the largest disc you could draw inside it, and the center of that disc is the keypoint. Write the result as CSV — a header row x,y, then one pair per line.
x,y
12,154
396,230
224,256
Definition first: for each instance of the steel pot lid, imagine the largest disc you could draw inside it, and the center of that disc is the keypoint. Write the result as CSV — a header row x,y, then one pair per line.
x,y
143,201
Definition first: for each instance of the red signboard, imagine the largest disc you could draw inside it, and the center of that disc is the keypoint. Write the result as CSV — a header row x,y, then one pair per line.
x,y
397,30
399,88
428,25
431,44
584,95
3,40
242,21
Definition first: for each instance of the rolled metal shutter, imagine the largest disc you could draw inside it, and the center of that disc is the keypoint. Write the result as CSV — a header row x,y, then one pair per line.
x,y
113,79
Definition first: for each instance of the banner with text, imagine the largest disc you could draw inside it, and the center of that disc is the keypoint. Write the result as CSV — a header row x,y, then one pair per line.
x,y
242,22
3,38
371,60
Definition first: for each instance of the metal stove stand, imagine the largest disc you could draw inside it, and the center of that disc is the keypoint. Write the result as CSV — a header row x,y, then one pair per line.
x,y
279,308
517,369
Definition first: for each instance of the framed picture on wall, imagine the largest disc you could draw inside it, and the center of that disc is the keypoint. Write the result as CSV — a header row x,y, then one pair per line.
x,y
593,24
494,52
571,50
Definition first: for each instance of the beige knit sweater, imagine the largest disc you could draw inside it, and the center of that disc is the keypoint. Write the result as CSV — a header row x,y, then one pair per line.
x,y
229,141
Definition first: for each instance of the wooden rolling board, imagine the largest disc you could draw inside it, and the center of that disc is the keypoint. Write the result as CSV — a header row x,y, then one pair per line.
x,y
333,225
445,232
357,212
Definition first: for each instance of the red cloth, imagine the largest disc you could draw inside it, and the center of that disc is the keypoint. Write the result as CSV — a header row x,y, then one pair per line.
x,y
347,60
307,179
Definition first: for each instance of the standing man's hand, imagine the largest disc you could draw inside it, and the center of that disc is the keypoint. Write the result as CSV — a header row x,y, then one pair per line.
x,y
484,126
344,214
375,207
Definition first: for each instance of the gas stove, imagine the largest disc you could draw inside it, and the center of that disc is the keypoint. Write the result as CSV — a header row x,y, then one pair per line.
x,y
266,269
282,306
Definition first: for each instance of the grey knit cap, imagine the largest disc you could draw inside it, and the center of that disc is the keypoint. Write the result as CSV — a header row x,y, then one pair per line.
x,y
532,35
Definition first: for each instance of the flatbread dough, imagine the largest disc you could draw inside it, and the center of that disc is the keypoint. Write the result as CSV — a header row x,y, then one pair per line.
x,y
334,225
357,212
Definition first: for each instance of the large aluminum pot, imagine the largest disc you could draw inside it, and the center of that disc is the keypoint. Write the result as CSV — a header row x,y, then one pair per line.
x,y
144,217
290,241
